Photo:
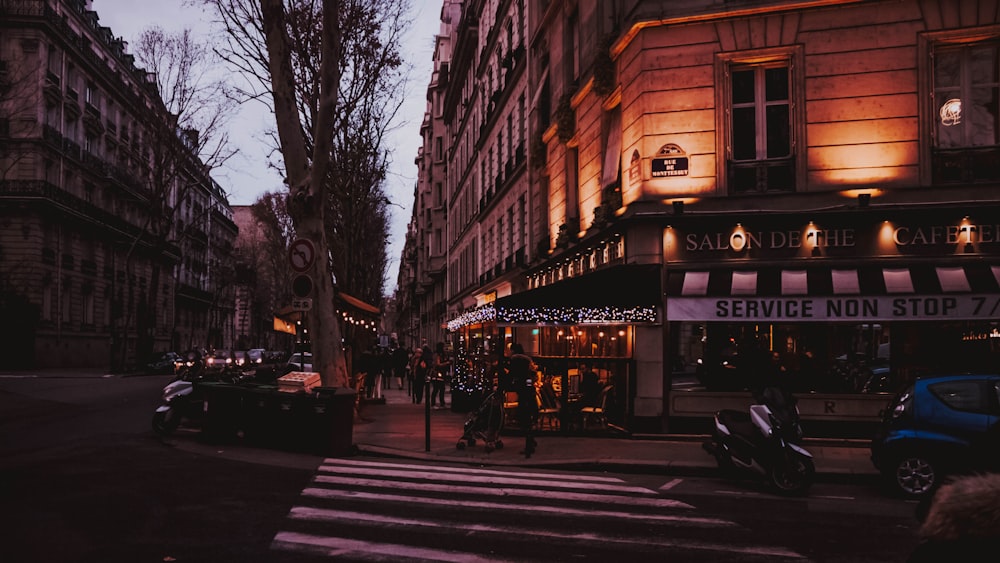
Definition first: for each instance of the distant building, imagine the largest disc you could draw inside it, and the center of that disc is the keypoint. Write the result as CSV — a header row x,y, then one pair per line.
x,y
100,264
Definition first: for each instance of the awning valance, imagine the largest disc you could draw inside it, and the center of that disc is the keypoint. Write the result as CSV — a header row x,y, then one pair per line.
x,y
865,292
357,304
628,293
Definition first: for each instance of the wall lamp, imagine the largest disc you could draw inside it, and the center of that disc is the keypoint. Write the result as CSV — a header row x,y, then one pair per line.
x,y
678,207
864,199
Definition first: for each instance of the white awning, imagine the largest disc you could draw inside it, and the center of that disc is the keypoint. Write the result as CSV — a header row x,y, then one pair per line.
x,y
897,280
953,279
845,282
794,282
868,292
744,283
695,283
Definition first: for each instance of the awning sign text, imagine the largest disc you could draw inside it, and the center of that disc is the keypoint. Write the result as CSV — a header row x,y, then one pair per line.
x,y
837,308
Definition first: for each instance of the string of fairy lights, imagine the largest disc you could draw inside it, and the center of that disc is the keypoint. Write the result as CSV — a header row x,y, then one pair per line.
x,y
577,315
560,315
359,321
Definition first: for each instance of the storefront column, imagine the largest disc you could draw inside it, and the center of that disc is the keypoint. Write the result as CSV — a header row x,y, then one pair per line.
x,y
649,366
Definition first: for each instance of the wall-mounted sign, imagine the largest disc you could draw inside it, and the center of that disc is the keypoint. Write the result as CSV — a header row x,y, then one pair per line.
x,y
669,161
634,170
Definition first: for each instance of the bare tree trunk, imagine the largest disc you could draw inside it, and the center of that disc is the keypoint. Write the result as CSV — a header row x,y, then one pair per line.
x,y
306,176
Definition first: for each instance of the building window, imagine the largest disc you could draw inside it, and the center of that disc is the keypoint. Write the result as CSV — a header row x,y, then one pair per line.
x,y
88,307
764,123
64,305
966,112
46,312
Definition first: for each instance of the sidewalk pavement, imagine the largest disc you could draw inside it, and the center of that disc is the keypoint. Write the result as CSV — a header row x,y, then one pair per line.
x,y
399,428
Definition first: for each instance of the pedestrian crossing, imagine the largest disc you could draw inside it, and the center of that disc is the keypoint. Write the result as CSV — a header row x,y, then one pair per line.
x,y
371,510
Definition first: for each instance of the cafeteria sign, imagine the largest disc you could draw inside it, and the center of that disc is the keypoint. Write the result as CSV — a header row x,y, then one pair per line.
x,y
671,160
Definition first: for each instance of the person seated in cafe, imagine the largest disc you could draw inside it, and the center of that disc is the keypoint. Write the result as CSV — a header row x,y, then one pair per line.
x,y
590,386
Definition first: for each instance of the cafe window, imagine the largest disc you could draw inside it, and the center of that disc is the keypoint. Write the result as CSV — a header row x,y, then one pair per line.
x,y
965,110
764,124
584,341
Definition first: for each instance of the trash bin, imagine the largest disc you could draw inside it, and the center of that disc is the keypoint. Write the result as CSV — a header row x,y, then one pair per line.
x,y
330,413
258,414
223,411
319,422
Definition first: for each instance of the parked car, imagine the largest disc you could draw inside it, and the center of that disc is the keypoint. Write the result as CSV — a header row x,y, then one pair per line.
x,y
219,359
299,361
165,363
255,356
939,426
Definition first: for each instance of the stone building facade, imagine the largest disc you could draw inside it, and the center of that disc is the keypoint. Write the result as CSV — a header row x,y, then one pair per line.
x,y
85,279
712,190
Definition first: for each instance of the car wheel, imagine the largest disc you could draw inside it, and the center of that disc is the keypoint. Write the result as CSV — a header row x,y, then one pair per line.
x,y
915,475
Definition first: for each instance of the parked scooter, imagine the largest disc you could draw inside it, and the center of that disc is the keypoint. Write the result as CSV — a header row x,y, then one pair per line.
x,y
180,399
764,442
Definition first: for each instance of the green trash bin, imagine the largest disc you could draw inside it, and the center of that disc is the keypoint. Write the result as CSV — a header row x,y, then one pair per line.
x,y
331,413
258,414
319,422
223,411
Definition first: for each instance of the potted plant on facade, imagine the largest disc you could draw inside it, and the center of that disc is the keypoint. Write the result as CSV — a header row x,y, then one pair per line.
x,y
604,68
565,119
567,232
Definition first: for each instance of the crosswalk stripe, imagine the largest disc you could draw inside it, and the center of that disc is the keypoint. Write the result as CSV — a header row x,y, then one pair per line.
x,y
559,510
357,549
501,492
555,482
329,463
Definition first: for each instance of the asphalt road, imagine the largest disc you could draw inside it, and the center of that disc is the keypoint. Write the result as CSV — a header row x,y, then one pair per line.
x,y
83,479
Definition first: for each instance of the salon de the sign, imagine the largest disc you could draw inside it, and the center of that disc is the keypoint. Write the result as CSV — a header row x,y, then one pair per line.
x,y
837,240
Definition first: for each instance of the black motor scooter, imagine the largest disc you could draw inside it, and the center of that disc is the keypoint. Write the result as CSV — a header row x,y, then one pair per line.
x,y
765,443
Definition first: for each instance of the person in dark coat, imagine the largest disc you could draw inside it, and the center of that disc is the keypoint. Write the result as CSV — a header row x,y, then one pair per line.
x,y
522,377
590,386
399,360
422,363
441,367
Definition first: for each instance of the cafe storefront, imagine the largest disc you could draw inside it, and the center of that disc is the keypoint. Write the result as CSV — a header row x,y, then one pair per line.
x,y
592,307
845,309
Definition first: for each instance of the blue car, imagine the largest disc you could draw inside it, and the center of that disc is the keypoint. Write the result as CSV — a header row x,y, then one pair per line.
x,y
939,426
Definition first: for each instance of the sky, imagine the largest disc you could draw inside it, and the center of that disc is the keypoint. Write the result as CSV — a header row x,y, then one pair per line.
x,y
247,176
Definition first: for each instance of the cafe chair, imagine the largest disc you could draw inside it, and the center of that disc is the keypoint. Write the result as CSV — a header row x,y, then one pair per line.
x,y
548,412
510,403
596,415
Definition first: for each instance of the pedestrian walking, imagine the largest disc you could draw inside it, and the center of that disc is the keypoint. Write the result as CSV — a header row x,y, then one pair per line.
x,y
422,359
522,377
439,373
399,359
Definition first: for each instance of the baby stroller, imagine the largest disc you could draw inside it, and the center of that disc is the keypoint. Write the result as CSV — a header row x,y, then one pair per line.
x,y
485,423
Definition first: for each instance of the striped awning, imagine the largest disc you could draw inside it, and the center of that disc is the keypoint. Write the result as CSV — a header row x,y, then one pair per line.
x,y
866,292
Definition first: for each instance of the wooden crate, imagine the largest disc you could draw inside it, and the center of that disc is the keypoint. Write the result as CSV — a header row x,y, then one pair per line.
x,y
296,381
